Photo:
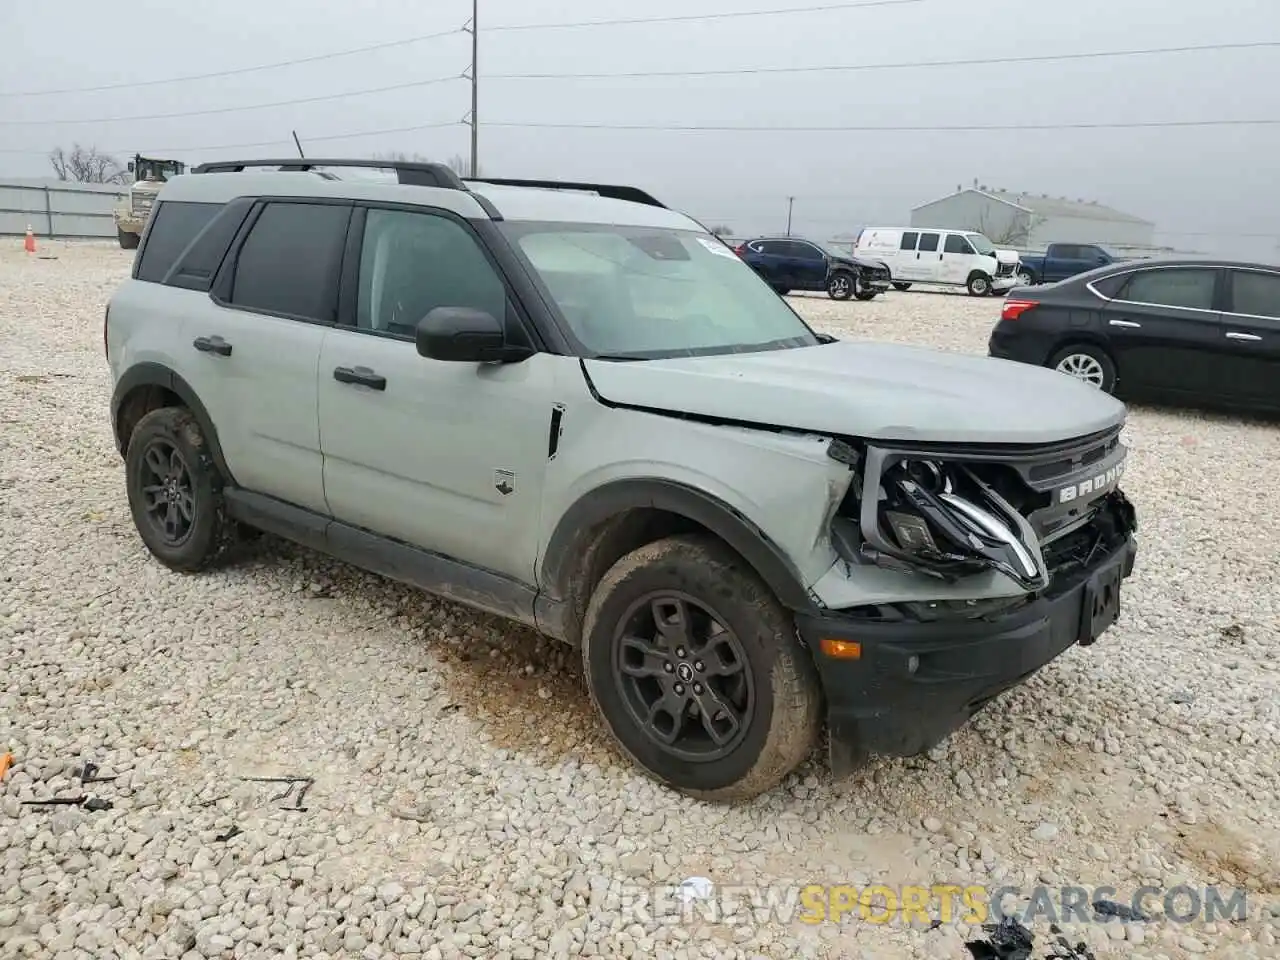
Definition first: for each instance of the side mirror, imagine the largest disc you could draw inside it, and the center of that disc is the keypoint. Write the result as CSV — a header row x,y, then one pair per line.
x,y
464,335
1102,261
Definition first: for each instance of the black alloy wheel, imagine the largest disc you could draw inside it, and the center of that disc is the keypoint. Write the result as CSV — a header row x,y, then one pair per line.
x,y
169,494
684,677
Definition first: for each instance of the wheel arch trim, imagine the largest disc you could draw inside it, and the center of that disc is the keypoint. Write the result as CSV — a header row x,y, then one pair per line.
x,y
572,533
152,374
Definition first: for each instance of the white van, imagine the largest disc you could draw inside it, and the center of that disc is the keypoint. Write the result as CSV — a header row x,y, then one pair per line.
x,y
958,258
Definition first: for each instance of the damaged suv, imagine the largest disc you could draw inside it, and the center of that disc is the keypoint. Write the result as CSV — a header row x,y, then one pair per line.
x,y
570,406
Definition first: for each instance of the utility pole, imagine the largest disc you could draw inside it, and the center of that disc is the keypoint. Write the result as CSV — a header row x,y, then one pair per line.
x,y
790,202
475,88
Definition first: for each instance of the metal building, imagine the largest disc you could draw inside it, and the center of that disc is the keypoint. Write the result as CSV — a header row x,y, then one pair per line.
x,y
1031,221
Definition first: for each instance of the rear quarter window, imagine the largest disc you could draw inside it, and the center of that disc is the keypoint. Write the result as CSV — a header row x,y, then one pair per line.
x,y
174,224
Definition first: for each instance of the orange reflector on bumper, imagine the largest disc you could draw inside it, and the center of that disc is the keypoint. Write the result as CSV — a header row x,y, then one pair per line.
x,y
841,649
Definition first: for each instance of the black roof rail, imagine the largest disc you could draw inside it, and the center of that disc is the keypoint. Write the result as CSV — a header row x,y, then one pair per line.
x,y
612,191
417,174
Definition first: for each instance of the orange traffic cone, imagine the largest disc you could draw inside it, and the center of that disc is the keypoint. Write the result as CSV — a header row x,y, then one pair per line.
x,y
30,243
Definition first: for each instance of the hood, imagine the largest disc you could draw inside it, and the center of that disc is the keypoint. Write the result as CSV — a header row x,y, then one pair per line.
x,y
877,391
1007,256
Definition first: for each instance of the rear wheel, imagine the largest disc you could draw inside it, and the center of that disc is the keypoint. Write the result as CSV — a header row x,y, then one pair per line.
x,y
698,672
175,491
1087,363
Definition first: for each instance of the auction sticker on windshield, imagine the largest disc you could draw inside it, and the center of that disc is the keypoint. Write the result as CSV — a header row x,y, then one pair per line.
x,y
718,248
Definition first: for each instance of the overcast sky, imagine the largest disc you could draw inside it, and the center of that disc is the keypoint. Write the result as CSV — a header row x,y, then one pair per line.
x,y
1203,187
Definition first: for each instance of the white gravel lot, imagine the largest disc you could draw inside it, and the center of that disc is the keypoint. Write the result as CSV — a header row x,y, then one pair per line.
x,y
466,800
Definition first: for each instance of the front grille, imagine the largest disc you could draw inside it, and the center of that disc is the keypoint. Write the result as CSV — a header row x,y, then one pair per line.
x,y
875,273
142,203
1005,270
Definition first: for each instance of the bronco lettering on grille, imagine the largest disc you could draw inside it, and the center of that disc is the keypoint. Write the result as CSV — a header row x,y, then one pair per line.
x,y
1093,485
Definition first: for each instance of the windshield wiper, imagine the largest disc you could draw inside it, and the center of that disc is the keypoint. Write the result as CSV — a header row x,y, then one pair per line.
x,y
620,357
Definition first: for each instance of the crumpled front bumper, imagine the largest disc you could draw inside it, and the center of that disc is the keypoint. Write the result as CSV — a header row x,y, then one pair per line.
x,y
912,683
129,222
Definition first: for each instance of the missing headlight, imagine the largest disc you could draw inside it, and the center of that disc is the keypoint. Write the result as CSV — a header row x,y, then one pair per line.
x,y
941,519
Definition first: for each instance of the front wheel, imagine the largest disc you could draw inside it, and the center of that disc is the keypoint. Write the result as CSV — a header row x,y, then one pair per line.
x,y
697,671
128,241
840,286
1087,363
1025,277
979,285
901,287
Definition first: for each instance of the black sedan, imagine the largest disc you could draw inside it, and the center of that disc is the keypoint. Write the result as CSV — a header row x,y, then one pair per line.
x,y
790,263
1197,329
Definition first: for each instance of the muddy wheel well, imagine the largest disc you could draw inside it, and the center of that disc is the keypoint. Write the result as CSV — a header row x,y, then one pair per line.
x,y
608,542
137,404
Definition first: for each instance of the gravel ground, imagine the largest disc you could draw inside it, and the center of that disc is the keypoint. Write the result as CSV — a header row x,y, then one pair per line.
x,y
466,802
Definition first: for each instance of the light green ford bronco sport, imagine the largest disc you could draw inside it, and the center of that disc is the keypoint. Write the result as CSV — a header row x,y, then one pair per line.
x,y
573,407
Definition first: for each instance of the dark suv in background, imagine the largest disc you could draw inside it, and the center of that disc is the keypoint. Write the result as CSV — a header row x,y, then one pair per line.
x,y
788,263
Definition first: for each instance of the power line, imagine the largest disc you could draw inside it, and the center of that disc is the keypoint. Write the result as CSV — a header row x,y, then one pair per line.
x,y
422,38
964,128
238,109
356,134
903,65
690,17
237,71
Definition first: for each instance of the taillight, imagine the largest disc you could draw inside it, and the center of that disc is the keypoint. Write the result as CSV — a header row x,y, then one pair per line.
x,y
740,249
1013,309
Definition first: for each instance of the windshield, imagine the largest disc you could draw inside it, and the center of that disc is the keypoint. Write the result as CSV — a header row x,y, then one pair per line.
x,y
981,245
650,292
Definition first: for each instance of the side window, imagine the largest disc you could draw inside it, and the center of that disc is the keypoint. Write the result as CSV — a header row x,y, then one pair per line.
x,y
807,251
928,242
412,263
1175,287
1067,251
175,224
909,241
956,244
289,263
1110,286
198,266
1257,294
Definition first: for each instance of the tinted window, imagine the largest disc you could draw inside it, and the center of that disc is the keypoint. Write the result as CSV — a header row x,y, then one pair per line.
x,y
770,247
174,225
1067,251
197,267
908,241
289,262
806,251
1172,288
1110,286
1257,294
928,242
412,263
957,244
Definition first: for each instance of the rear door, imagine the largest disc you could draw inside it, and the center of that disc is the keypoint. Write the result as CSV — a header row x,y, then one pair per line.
x,y
1250,370
256,340
768,258
1164,331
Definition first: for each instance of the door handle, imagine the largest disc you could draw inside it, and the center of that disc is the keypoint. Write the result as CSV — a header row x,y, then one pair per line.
x,y
212,345
361,376
1125,323
1232,335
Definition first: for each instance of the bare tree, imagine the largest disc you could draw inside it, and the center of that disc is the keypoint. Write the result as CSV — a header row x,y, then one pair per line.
x,y
722,230
87,165
457,163
1016,233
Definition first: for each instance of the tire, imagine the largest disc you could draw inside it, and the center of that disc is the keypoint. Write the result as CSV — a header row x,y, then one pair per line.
x,y
1091,364
901,287
1025,277
865,295
128,241
841,285
202,532
775,693
979,285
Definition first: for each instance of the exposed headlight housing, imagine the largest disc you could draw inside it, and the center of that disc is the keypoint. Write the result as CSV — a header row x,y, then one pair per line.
x,y
942,519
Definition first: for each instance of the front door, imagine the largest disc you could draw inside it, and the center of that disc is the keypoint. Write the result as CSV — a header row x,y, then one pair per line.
x,y
449,457
957,259
810,266
1250,369
1164,330
256,342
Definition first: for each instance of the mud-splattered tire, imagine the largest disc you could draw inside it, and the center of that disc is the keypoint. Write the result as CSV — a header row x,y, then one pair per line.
x,y
777,678
128,241
170,439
